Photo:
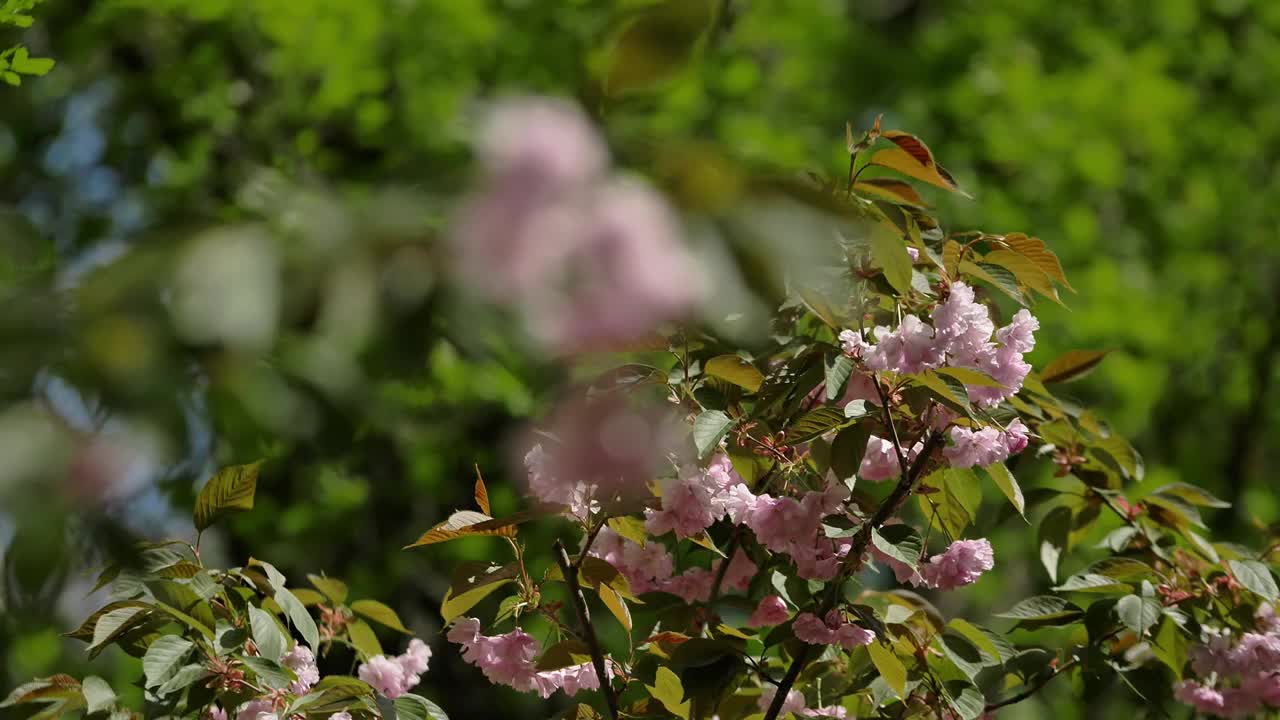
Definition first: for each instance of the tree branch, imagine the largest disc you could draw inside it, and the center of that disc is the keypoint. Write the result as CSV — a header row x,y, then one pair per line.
x,y
1031,690
570,572
887,509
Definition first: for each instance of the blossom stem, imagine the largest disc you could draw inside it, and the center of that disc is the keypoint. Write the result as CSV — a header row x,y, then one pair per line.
x,y
570,572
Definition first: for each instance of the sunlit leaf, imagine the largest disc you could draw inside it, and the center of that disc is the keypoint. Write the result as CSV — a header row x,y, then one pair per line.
x,y
229,490
735,370
1072,365
379,613
914,159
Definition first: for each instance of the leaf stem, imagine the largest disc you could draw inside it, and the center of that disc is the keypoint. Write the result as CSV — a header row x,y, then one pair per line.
x,y
570,572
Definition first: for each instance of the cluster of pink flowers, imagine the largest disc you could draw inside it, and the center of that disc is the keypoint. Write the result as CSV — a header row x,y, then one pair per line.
x,y
771,611
795,705
962,563
587,256
1236,677
608,450
303,664
880,461
985,446
831,630
794,527
510,660
650,568
960,336
696,498
393,677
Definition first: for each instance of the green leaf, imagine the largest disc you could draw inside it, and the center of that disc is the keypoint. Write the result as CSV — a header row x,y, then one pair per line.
x,y
735,370
380,614
270,672
54,687
1138,613
1255,576
889,253
889,667
271,643
815,423
959,500
164,657
1055,530
709,428
86,629
1072,365
900,542
1192,495
616,604
298,615
945,388
333,588
965,699
416,707
1094,583
115,623
837,372
1008,485
668,691
847,450
1039,607
655,45
230,490
563,654
365,640
185,677
98,695
963,653
980,637
1170,646
631,528
473,582
969,376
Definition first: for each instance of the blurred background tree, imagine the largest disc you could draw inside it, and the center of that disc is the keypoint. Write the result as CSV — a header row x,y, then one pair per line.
x,y
1137,139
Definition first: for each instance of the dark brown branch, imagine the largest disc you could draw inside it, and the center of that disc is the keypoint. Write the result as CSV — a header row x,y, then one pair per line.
x,y
887,509
1031,690
570,572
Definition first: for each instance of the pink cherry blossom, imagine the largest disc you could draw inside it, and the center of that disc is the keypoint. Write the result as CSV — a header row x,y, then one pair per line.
x,y
771,611
985,446
1204,699
852,343
303,664
831,630
340,716
794,702
215,713
609,448
695,499
962,325
647,568
253,709
962,563
909,349
385,675
510,660
880,461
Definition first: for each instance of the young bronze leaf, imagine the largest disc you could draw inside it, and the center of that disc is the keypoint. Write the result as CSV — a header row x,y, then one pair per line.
x,y
230,490
1025,270
1072,365
1036,251
891,189
482,494
912,157
463,523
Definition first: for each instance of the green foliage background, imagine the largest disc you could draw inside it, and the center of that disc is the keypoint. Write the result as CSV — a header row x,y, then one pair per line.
x,y
1137,139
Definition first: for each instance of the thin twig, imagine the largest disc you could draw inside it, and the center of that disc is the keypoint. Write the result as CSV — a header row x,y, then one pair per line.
x,y
1032,690
579,602
591,538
